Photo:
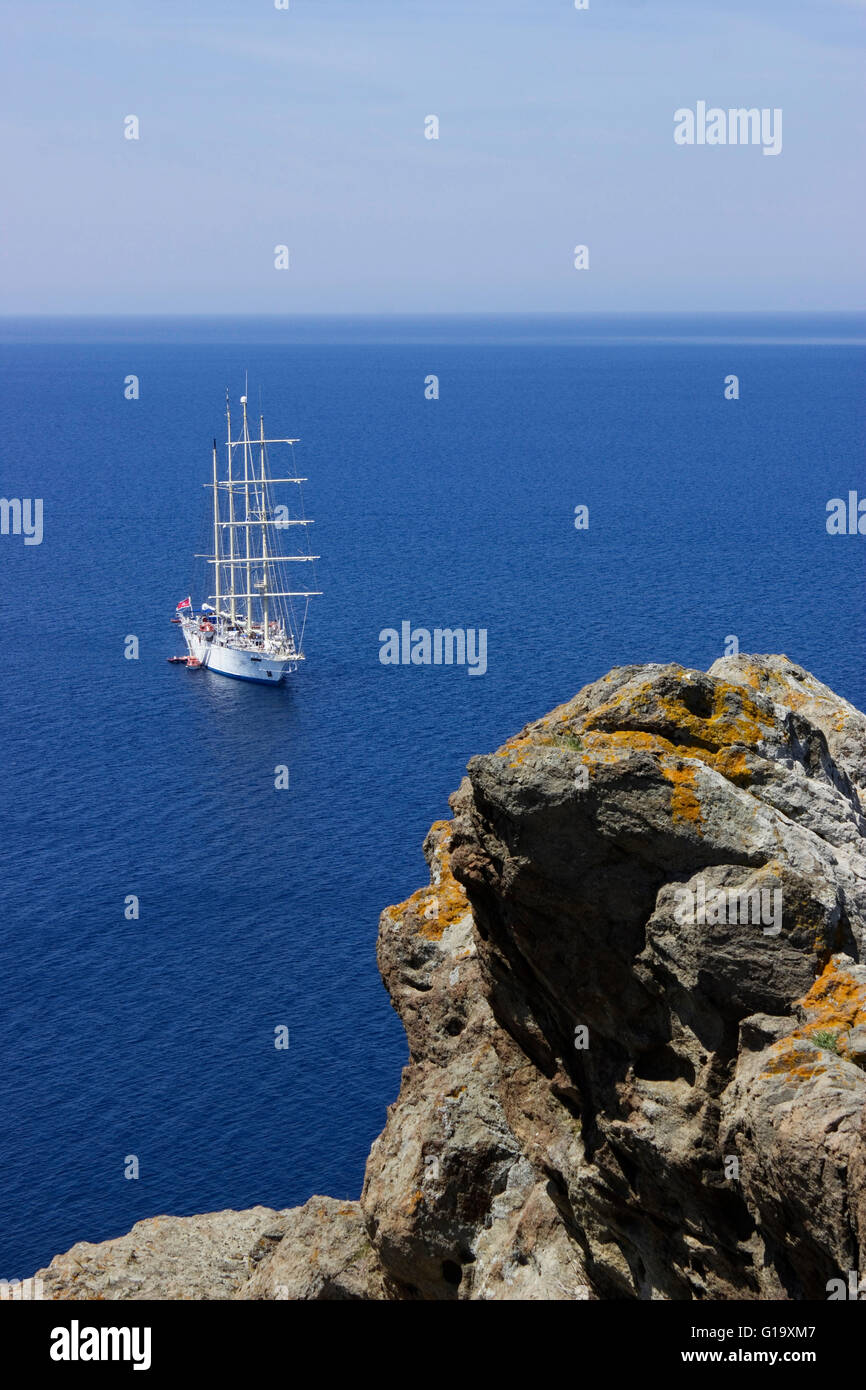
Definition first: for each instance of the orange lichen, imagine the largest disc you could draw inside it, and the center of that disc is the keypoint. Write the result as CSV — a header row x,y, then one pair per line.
x,y
723,738
787,1059
732,764
443,902
834,1001
734,717
834,1004
630,741
520,745
685,805
519,741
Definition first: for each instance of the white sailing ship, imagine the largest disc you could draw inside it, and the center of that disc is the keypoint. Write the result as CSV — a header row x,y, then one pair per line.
x,y
250,627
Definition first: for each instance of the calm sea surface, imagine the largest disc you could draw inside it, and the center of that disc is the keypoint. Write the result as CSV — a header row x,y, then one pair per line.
x,y
155,1037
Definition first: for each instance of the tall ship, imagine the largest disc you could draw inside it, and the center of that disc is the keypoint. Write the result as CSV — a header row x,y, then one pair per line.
x,y
251,626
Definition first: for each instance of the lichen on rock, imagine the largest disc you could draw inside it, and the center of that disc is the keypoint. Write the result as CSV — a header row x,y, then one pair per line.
x,y
607,1097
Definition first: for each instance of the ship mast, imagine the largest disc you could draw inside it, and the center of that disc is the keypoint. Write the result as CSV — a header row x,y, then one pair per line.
x,y
231,492
216,530
255,484
249,602
264,533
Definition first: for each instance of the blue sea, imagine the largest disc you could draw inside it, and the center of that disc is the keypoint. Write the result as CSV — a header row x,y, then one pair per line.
x,y
258,908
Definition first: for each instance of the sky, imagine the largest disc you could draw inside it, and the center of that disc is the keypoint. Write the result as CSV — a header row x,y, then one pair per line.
x,y
262,127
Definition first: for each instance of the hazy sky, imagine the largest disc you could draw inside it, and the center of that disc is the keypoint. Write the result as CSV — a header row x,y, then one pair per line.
x,y
305,127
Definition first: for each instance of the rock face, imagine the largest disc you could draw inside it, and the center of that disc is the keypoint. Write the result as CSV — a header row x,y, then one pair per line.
x,y
176,1257
636,1021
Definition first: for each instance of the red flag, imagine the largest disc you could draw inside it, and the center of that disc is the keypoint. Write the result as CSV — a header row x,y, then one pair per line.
x,y
184,603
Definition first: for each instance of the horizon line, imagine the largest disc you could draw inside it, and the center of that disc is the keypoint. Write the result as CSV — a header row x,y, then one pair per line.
x,y
432,313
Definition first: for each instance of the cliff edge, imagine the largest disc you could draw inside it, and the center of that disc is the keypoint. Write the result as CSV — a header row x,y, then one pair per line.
x,y
636,1021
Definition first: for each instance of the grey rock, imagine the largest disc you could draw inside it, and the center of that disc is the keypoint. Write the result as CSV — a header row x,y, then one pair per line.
x,y
320,1251
857,1045
164,1257
636,1009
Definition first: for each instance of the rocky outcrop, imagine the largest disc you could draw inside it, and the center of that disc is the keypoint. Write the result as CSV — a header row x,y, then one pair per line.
x,y
635,1014
175,1257
318,1251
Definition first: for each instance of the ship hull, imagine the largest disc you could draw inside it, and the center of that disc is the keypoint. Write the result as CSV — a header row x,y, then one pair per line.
x,y
237,663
